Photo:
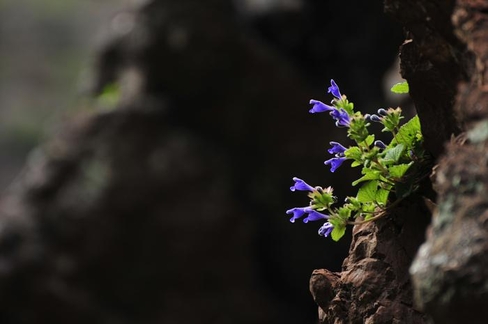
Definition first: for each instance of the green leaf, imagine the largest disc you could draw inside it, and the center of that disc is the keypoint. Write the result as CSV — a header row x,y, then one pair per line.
x,y
369,140
367,192
401,87
354,153
394,154
397,171
409,133
382,196
338,232
344,213
368,175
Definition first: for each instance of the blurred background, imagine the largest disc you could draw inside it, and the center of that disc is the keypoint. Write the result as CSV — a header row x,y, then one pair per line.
x,y
236,76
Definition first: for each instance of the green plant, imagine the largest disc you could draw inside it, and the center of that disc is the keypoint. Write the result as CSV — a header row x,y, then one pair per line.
x,y
385,168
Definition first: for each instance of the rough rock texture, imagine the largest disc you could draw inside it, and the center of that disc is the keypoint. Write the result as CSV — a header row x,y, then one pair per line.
x,y
433,61
374,285
450,272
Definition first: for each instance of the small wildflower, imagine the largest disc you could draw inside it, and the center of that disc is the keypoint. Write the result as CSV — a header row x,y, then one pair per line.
x,y
319,106
325,229
382,112
380,144
301,185
337,149
334,89
314,215
341,116
335,163
375,118
298,212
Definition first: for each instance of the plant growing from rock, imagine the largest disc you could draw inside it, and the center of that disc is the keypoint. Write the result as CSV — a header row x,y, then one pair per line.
x,y
389,171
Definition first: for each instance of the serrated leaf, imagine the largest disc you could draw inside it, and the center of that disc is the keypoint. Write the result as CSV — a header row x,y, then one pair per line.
x,y
353,153
409,133
367,192
397,171
401,87
338,232
382,196
344,213
368,175
394,154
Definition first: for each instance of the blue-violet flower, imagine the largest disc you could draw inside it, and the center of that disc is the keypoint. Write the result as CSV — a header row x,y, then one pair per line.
x,y
325,229
341,116
314,215
380,144
337,149
375,118
334,89
298,212
301,185
335,163
319,106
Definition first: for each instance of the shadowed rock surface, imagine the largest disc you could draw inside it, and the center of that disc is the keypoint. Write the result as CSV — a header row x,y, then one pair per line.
x,y
449,271
170,208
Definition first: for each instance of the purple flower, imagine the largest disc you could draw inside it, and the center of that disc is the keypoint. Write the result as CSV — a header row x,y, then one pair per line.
x,y
335,163
319,106
314,216
301,185
298,212
334,89
325,229
380,144
375,118
341,116
337,149
382,112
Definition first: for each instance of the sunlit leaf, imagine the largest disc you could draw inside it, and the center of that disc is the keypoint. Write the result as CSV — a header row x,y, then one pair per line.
x,y
401,87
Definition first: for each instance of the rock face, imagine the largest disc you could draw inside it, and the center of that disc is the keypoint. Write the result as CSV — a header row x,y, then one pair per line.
x,y
374,285
449,273
170,207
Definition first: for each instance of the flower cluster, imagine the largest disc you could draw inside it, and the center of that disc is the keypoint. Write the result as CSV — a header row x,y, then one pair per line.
x,y
384,166
321,199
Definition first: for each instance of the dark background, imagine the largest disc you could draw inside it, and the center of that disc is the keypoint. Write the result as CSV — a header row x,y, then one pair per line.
x,y
51,66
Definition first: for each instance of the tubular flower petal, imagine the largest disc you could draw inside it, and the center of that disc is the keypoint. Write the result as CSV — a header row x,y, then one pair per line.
x,y
314,216
334,89
336,149
325,229
375,118
380,144
319,106
335,163
382,112
341,116
298,212
301,185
